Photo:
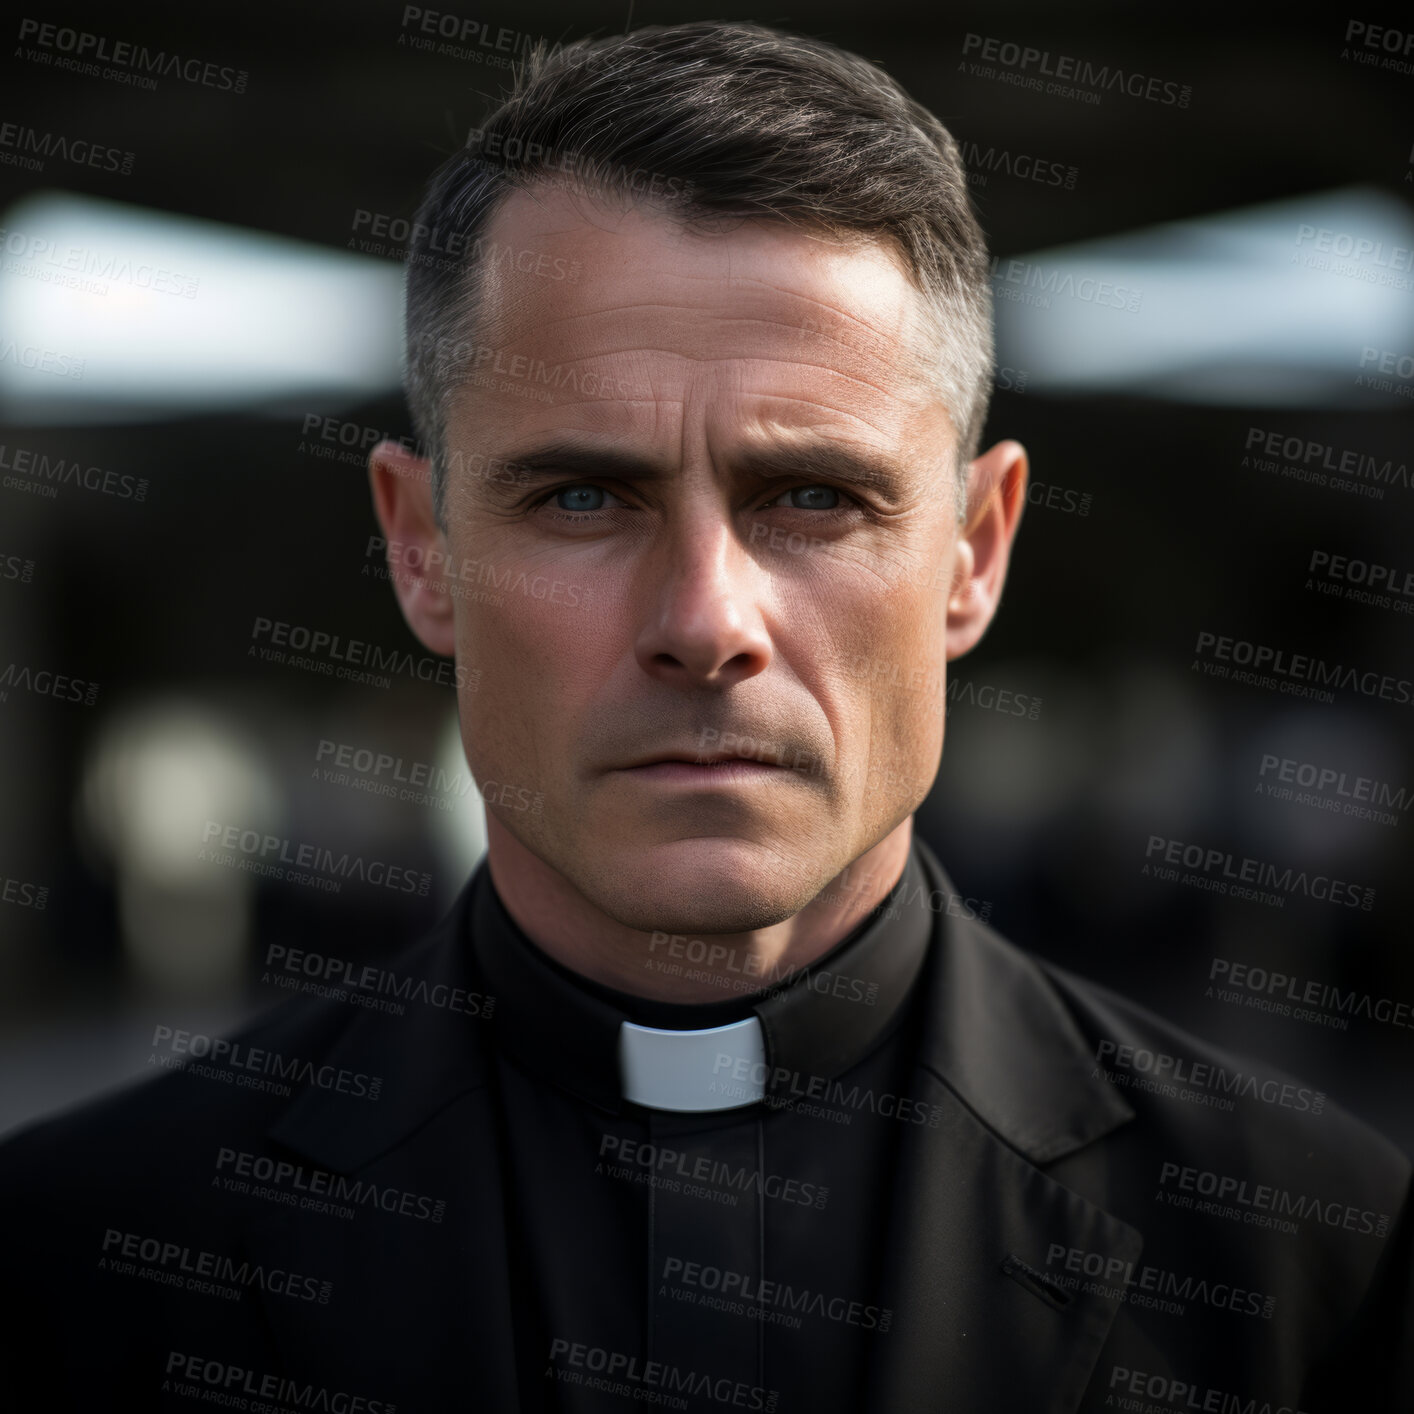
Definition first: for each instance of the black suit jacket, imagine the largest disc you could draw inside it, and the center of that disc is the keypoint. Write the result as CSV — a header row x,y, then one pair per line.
x,y
1032,1236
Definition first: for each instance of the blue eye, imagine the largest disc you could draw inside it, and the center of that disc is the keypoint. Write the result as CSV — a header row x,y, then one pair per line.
x,y
580,498
814,498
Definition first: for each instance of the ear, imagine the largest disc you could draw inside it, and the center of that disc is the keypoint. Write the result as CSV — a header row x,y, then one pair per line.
x,y
415,548
996,496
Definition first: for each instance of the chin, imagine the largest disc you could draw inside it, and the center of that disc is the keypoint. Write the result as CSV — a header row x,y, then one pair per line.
x,y
717,884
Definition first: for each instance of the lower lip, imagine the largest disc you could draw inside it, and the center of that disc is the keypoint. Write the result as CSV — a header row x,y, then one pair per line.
x,y
688,773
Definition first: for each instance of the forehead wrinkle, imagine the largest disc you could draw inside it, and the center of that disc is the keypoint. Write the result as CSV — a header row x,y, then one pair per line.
x,y
874,353
815,426
874,334
875,350
705,358
729,356
683,397
840,310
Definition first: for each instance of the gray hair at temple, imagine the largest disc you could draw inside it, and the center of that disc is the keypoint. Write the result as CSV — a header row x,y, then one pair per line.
x,y
712,120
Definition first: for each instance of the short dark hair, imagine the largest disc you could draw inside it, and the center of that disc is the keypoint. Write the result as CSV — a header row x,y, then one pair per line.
x,y
710,119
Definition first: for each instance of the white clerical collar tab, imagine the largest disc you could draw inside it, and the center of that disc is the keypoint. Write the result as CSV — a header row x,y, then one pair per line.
x,y
721,1068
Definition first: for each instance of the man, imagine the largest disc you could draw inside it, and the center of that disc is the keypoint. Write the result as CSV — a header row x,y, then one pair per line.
x,y
711,1092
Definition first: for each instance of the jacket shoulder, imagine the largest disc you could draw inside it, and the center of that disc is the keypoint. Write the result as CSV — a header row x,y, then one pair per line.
x,y
203,1101
1224,1115
129,1127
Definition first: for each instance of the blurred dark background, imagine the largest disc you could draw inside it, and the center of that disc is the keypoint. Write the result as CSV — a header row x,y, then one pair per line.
x,y
1148,527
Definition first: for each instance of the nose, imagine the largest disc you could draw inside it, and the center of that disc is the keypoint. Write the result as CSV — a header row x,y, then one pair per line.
x,y
703,626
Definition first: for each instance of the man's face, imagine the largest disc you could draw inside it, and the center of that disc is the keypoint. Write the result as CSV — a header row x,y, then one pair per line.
x,y
730,530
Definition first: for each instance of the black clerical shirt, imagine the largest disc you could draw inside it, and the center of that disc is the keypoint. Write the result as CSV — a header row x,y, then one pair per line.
x,y
703,1261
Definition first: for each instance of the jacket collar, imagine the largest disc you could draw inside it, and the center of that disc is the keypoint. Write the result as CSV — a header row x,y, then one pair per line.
x,y
997,1034
426,1057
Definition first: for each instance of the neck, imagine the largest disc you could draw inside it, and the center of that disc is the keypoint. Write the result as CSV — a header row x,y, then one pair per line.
x,y
563,923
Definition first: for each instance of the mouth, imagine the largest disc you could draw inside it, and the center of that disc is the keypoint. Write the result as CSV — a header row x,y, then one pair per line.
x,y
697,758
702,768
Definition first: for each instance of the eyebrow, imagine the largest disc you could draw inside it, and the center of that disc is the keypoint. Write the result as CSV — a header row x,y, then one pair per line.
x,y
803,461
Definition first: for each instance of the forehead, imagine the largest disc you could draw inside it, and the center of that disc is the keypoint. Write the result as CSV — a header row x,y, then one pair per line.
x,y
742,313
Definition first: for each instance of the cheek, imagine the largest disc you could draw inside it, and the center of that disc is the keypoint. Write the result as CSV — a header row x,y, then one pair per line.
x,y
893,644
535,655
905,693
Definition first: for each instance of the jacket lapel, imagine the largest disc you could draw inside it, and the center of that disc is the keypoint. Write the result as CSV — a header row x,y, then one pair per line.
x,y
418,1312
979,1317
